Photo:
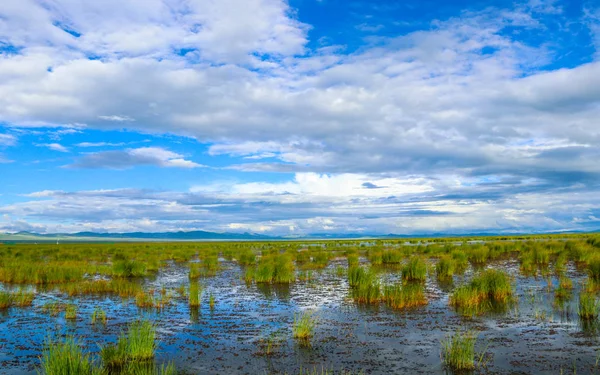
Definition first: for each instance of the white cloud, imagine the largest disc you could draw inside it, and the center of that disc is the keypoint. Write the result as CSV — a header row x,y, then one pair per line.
x,y
54,147
7,140
3,160
116,118
100,144
124,159
223,30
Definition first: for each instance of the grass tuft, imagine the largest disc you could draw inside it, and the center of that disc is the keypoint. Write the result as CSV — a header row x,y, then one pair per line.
x,y
458,351
304,326
67,358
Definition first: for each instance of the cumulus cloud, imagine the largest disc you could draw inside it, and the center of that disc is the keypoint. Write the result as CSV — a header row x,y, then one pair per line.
x,y
128,158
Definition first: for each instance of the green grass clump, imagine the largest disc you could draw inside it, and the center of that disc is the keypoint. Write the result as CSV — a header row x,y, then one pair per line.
x,y
366,288
404,296
71,312
445,267
304,326
99,316
247,257
129,268
211,264
391,257
461,260
458,351
479,254
23,298
195,271
67,358
415,269
5,300
194,295
144,300
589,306
368,291
275,269
356,275
490,289
139,345
42,272
593,268
352,259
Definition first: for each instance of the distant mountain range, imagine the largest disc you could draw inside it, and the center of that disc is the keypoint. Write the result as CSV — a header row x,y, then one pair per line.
x,y
199,235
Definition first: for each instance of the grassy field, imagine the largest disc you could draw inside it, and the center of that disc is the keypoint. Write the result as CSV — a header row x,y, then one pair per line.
x,y
384,274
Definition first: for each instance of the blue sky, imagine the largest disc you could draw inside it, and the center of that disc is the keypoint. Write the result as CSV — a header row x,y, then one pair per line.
x,y
299,117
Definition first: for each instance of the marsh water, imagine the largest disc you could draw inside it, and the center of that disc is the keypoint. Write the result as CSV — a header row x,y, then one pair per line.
x,y
535,335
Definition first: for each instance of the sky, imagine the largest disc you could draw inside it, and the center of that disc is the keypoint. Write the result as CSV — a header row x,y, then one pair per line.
x,y
300,118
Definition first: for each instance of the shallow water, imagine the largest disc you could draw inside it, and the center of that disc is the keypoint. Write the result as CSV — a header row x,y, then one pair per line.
x,y
374,340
